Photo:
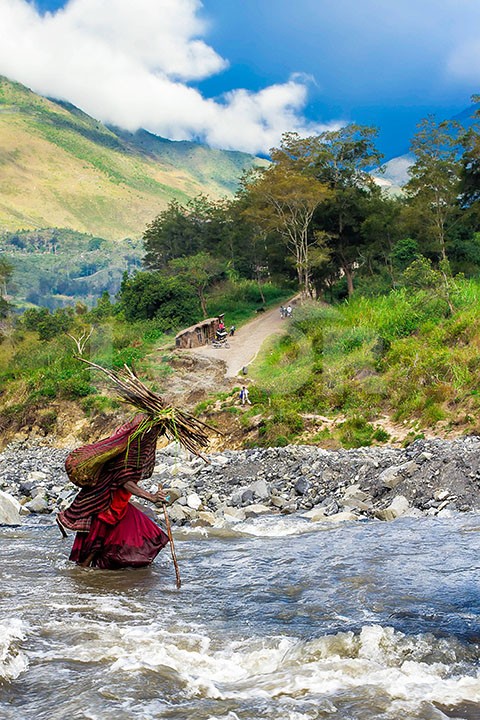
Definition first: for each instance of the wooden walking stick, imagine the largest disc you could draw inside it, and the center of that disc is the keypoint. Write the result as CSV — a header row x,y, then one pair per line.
x,y
172,546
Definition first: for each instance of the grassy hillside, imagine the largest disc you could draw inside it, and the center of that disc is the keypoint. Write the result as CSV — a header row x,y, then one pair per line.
x,y
61,168
374,369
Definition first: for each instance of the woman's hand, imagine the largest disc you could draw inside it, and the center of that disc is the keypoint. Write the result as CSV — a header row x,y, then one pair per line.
x,y
160,496
157,497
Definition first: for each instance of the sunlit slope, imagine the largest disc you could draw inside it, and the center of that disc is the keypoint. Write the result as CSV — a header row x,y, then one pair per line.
x,y
61,168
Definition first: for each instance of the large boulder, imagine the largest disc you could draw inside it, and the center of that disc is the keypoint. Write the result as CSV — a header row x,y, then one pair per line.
x,y
9,510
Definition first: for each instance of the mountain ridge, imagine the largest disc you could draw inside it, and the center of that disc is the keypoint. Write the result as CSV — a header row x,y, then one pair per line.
x,y
59,167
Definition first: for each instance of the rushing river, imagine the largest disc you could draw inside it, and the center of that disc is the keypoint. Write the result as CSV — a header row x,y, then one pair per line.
x,y
277,618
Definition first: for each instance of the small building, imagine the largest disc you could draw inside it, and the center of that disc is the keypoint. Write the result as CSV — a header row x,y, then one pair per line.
x,y
200,334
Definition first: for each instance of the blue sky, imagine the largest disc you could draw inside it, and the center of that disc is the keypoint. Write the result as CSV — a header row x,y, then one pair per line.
x,y
237,73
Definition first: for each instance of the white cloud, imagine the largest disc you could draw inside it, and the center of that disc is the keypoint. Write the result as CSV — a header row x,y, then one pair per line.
x,y
128,63
464,62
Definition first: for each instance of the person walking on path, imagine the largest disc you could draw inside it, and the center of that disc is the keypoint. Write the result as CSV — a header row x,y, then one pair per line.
x,y
245,400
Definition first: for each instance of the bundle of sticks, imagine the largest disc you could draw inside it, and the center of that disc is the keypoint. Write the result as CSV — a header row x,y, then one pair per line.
x,y
175,424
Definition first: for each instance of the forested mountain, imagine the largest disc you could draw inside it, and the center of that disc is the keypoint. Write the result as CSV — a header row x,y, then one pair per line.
x,y
61,168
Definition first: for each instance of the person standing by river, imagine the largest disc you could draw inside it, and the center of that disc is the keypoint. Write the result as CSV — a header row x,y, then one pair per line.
x,y
111,531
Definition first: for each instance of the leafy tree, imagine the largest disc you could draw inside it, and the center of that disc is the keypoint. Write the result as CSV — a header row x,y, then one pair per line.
x,y
6,272
149,295
171,234
434,184
283,200
339,160
48,324
202,225
470,172
199,271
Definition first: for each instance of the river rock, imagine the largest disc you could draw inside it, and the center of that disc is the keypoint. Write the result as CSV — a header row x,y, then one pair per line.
x,y
260,490
37,477
232,514
194,501
205,519
339,517
315,515
9,510
391,477
256,510
38,504
399,506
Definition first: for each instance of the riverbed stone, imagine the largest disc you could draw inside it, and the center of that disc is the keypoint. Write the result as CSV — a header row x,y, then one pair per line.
x,y
38,504
315,515
398,507
232,514
391,477
10,509
194,501
260,490
344,516
256,510
205,519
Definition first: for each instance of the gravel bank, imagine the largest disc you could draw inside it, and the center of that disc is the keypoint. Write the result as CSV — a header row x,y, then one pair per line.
x,y
428,477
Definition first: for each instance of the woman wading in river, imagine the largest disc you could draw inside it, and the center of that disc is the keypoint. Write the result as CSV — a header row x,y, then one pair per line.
x,y
111,531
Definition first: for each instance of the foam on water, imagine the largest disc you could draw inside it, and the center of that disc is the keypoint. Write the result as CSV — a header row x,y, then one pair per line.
x,y
12,659
271,526
408,670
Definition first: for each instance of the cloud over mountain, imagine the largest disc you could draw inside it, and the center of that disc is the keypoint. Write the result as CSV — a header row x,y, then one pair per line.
x,y
130,64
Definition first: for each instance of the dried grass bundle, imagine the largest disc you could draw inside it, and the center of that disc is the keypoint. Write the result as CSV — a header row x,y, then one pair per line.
x,y
173,423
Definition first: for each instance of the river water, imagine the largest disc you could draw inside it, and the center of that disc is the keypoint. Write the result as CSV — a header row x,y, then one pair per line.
x,y
276,618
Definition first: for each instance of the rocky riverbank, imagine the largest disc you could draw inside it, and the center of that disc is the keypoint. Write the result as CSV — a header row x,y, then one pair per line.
x,y
428,477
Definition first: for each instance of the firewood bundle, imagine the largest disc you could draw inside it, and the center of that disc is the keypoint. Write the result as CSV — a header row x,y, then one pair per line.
x,y
175,424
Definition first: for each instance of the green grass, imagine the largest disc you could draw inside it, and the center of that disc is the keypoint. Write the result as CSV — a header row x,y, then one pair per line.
x,y
403,354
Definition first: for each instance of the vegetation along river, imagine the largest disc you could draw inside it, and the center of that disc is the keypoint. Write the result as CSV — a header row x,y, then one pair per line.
x,y
276,618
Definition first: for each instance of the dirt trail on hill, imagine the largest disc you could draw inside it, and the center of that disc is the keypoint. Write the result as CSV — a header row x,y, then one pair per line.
x,y
246,343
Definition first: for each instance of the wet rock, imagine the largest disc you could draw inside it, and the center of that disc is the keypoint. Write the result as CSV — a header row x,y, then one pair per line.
x,y
205,519
38,504
10,510
399,506
256,510
345,516
194,501
315,515
234,514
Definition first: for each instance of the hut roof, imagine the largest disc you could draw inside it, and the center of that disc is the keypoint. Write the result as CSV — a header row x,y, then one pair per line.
x,y
192,328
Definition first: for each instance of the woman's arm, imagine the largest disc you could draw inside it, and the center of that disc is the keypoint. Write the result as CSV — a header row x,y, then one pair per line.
x,y
132,487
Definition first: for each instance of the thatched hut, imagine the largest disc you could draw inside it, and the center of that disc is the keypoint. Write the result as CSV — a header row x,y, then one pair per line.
x,y
200,334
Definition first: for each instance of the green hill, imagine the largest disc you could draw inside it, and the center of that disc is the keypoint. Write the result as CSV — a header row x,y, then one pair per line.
x,y
61,168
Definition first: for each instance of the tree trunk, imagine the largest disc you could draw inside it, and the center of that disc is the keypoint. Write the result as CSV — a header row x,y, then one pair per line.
x,y
349,277
203,304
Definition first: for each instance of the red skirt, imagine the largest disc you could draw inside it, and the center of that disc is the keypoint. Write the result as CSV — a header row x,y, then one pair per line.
x,y
134,541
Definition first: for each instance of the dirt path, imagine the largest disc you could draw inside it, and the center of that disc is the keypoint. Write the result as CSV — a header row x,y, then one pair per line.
x,y
246,343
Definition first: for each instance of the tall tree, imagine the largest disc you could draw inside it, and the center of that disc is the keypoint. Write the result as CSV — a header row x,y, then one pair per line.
x,y
283,200
434,184
470,172
341,160
198,271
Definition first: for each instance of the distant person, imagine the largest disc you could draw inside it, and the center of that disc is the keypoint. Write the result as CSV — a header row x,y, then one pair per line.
x,y
289,311
282,311
244,396
232,330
